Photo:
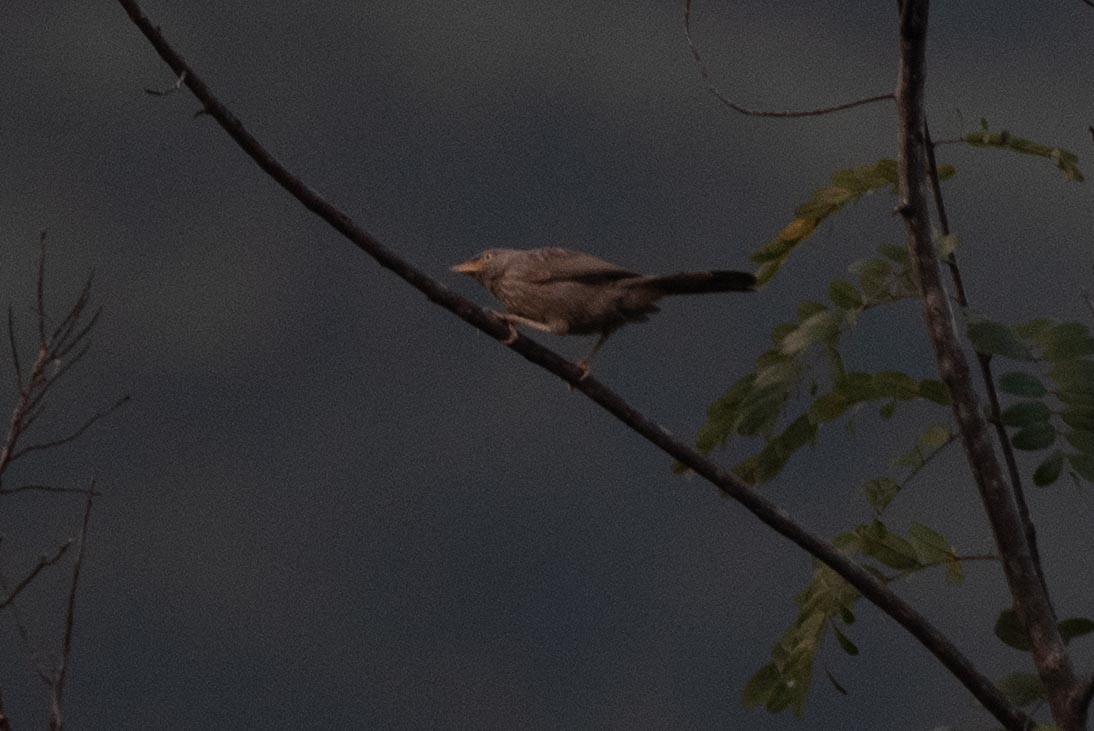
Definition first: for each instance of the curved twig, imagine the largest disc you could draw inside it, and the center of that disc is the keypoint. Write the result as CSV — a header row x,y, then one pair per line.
x,y
75,434
766,511
740,109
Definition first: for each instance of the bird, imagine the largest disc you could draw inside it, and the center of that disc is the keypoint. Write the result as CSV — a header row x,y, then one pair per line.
x,y
567,292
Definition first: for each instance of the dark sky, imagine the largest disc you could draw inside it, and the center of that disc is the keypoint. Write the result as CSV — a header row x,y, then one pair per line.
x,y
331,504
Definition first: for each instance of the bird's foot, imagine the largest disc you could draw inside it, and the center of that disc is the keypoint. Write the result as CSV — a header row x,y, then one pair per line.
x,y
513,334
586,369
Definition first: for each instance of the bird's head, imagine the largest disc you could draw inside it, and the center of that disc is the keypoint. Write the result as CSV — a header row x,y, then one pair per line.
x,y
487,266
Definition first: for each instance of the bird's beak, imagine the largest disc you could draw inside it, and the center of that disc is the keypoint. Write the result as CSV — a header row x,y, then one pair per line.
x,y
472,266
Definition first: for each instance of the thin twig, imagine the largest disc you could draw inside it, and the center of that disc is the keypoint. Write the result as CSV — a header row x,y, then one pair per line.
x,y
14,352
740,109
766,511
24,637
43,562
41,299
70,618
75,434
43,488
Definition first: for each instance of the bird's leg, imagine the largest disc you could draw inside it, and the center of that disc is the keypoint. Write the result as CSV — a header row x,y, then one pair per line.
x,y
513,320
585,363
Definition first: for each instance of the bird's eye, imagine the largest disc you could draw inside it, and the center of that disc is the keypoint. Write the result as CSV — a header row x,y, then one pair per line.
x,y
487,256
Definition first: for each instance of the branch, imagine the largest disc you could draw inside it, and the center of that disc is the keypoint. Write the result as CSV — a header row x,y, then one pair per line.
x,y
984,360
14,352
58,687
767,512
705,73
40,299
42,488
5,721
1030,599
74,435
43,562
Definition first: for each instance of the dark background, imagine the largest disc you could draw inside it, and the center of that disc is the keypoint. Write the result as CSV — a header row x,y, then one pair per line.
x,y
332,504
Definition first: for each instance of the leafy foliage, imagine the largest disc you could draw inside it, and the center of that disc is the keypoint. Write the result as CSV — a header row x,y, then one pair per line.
x,y
1066,161
826,604
847,186
1022,689
1009,629
1053,400
755,405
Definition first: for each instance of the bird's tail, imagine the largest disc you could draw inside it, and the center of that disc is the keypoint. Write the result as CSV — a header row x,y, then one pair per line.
x,y
701,282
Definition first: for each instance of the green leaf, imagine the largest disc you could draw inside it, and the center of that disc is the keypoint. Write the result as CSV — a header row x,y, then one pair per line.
x,y
934,437
895,253
1075,627
847,186
1073,375
1066,161
1022,689
1009,629
1082,465
1081,440
829,406
880,493
1025,413
845,643
1022,384
888,548
817,328
894,384
930,547
808,308
1040,435
1049,470
875,276
934,391
995,338
762,686
1067,341
845,295
768,462
1079,418
954,572
785,681
947,245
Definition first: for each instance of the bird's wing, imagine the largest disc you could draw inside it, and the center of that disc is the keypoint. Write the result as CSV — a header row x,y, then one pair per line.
x,y
555,264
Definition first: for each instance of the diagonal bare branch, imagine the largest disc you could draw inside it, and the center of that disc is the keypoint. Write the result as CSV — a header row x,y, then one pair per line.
x,y
766,511
43,562
57,691
741,109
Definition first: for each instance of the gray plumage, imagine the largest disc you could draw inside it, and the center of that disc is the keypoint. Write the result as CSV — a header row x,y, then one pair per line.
x,y
571,293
